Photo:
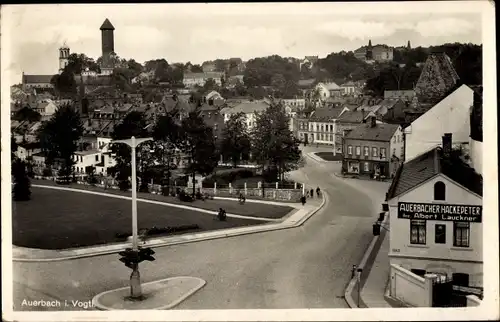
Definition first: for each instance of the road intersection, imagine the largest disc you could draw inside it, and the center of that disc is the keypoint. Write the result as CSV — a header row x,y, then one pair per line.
x,y
305,267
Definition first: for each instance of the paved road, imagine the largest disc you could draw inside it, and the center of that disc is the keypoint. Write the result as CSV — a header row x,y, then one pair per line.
x,y
306,267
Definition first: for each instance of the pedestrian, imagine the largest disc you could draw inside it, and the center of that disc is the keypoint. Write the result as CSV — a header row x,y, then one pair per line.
x,y
312,193
318,191
303,200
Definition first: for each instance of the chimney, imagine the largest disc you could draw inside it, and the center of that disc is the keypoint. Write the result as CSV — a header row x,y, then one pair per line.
x,y
447,144
373,121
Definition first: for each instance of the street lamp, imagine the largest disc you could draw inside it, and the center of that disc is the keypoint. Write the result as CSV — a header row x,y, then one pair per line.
x,y
135,278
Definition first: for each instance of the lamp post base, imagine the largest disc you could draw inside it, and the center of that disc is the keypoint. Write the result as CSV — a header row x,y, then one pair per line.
x,y
135,284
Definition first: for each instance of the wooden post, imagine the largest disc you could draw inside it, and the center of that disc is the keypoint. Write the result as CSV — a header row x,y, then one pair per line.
x,y
230,189
303,189
295,185
276,186
215,188
245,188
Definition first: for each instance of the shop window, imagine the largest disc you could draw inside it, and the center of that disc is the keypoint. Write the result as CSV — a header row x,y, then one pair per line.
x,y
349,149
374,152
358,150
439,191
461,234
440,234
417,232
367,166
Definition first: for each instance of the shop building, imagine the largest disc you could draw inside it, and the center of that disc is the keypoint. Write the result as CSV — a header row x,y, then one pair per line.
x,y
435,207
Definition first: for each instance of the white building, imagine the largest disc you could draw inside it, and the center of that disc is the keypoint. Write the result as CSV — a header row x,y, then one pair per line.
x,y
85,159
299,103
46,108
450,115
329,89
249,109
193,79
25,150
323,126
435,208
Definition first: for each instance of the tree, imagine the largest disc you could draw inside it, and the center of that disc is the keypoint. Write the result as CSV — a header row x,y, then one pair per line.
x,y
59,138
198,144
21,190
274,146
210,85
27,114
167,136
196,69
64,83
134,124
235,139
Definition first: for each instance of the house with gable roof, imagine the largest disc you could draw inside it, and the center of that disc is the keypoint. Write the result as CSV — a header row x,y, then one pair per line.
x,y
329,89
373,148
322,125
436,214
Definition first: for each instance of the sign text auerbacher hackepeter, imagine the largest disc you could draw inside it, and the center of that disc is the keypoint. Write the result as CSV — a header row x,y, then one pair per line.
x,y
443,212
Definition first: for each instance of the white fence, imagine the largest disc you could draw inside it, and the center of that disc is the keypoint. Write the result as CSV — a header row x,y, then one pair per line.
x,y
410,288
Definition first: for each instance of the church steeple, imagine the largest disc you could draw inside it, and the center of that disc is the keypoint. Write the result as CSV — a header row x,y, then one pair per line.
x,y
369,51
409,45
370,43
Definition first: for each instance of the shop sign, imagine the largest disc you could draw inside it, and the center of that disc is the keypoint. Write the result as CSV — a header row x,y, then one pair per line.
x,y
443,212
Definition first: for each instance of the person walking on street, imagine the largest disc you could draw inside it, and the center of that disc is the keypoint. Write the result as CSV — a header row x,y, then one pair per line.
x,y
318,191
303,200
312,193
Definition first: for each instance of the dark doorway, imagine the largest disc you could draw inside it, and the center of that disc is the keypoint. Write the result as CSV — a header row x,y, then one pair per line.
x,y
460,279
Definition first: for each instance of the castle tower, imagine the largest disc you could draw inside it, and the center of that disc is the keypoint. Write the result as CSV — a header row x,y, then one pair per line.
x,y
108,45
63,57
369,51
409,45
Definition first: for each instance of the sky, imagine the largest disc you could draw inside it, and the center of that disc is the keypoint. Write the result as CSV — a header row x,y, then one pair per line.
x,y
198,32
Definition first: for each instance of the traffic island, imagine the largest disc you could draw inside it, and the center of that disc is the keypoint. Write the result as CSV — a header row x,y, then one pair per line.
x,y
157,295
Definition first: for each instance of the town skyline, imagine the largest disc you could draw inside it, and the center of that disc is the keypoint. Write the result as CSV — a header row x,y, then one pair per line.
x,y
176,34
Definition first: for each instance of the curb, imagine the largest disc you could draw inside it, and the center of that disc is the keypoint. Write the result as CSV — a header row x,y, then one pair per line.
x,y
354,282
184,239
202,283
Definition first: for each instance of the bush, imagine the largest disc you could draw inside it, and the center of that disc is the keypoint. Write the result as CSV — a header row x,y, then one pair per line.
x,y
183,196
47,172
270,174
227,177
160,231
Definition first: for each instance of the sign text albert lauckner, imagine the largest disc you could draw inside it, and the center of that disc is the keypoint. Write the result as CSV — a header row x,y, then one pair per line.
x,y
429,211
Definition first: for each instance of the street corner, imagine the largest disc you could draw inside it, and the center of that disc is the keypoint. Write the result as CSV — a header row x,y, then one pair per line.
x,y
157,295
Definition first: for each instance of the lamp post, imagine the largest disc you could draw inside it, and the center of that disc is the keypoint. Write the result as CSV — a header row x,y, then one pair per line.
x,y
135,278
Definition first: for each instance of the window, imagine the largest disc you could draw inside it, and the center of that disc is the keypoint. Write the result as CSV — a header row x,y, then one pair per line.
x,y
402,151
439,191
382,153
349,149
317,136
394,139
461,232
358,150
317,127
394,151
367,166
374,152
97,158
417,232
331,127
331,137
440,234
366,151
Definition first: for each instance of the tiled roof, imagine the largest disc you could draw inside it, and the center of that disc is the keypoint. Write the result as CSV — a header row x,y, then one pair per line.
x,y
247,107
326,114
107,25
331,86
429,164
306,82
437,78
352,117
37,79
381,132
204,75
349,83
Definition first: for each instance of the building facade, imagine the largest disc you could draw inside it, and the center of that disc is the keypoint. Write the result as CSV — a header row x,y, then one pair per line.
x,y
322,125
373,149
435,207
249,109
199,79
329,89
450,115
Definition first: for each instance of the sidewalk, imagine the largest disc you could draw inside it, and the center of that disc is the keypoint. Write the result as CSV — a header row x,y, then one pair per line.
x,y
375,285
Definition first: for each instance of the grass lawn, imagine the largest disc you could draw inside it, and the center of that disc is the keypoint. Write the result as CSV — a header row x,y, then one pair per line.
x,y
231,207
56,219
328,156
